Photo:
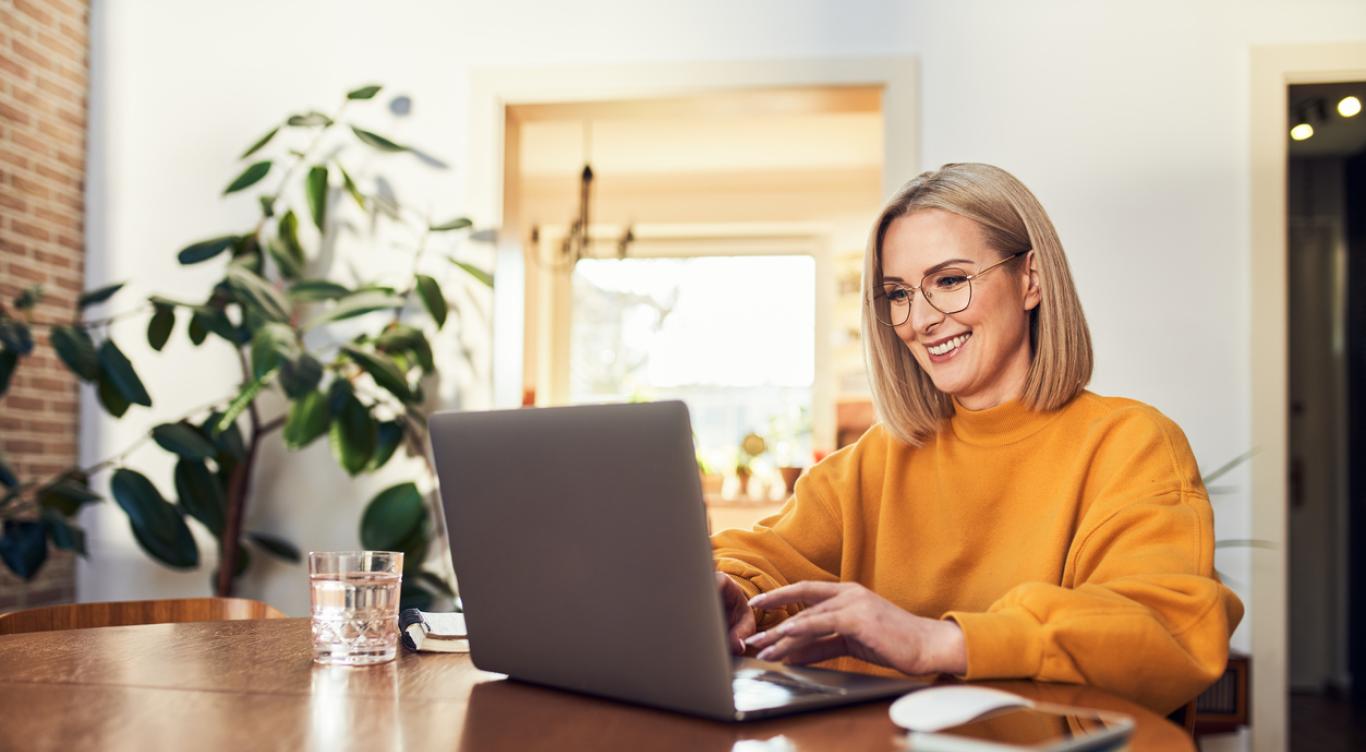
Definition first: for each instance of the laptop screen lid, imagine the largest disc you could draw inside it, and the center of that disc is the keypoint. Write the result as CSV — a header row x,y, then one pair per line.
x,y
579,540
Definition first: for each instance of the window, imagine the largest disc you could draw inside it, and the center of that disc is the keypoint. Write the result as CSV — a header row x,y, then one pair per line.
x,y
731,336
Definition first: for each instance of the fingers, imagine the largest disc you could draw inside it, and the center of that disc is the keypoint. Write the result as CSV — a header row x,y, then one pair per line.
x,y
739,633
805,593
800,628
817,650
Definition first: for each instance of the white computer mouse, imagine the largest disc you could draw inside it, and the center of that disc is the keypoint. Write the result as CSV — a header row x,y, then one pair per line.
x,y
938,708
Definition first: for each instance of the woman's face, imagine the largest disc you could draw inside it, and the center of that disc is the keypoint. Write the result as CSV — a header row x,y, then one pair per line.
x,y
982,353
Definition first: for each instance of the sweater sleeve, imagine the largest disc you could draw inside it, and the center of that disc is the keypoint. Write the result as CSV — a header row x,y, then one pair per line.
x,y
1139,612
802,541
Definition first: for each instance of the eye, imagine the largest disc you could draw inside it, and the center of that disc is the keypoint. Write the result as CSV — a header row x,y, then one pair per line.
x,y
949,281
897,295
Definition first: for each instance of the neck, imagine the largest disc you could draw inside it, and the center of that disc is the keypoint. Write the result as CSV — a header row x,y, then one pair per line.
x,y
1007,388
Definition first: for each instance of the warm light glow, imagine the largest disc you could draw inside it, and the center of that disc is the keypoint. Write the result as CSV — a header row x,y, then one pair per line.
x,y
1349,106
1302,131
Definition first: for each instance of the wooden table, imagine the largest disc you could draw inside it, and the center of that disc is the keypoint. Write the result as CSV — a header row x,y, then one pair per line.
x,y
251,685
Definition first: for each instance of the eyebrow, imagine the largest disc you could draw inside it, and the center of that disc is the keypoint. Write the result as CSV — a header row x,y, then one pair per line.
x,y
935,268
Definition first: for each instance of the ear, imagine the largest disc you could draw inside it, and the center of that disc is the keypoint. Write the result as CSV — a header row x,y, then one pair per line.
x,y
1033,292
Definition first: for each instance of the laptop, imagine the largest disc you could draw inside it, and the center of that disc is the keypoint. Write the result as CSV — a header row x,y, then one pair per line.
x,y
579,540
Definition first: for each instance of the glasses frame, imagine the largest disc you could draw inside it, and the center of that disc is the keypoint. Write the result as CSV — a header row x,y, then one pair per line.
x,y
967,280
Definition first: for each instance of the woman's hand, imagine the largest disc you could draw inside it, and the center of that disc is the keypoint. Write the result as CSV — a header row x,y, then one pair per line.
x,y
739,616
849,619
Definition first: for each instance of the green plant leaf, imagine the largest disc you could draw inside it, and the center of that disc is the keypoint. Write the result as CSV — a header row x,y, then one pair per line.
x,y
260,143
1225,468
251,289
412,596
358,303
311,290
311,119
353,433
371,138
63,533
289,268
7,477
23,547
16,336
243,563
430,292
317,195
201,495
67,494
400,338
382,370
272,343
276,546
430,581
459,223
206,249
198,328
8,361
351,187
98,295
231,447
300,375
111,398
115,368
364,92
308,418
475,272
184,440
157,526
238,404
160,326
75,348
391,517
416,545
388,438
288,230
26,300
249,177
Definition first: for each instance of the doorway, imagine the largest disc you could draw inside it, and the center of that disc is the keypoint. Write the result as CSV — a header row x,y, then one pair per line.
x,y
1326,288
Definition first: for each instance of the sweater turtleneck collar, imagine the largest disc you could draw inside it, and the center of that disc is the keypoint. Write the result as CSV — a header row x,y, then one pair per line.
x,y
1006,423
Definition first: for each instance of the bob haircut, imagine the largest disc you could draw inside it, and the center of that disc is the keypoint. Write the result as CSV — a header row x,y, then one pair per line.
x,y
1012,220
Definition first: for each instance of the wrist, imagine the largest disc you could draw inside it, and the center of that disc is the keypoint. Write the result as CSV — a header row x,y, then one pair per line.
x,y
953,656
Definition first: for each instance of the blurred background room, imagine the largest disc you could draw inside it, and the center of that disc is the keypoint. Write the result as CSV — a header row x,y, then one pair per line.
x,y
248,247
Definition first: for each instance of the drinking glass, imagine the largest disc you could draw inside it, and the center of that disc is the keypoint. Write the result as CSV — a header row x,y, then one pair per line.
x,y
354,595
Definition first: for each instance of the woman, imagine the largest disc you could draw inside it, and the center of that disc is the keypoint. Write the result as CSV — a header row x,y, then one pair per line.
x,y
1000,521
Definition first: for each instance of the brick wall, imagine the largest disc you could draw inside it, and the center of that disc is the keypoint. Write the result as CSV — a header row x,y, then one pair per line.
x,y
43,83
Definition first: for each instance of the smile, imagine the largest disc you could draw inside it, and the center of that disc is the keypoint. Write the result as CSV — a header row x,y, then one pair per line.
x,y
944,348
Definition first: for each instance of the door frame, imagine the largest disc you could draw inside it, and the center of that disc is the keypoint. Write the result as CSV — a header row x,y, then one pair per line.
x,y
1273,70
490,157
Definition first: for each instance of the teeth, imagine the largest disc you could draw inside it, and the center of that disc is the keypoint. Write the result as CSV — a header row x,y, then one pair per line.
x,y
950,345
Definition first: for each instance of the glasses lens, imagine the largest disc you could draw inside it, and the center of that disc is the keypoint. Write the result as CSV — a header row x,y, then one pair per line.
x,y
893,306
949,291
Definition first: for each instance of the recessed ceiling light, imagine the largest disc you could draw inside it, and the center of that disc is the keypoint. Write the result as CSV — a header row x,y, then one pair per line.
x,y
1302,131
1349,106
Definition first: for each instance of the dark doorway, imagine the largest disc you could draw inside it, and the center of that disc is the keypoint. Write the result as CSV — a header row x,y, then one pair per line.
x,y
1326,266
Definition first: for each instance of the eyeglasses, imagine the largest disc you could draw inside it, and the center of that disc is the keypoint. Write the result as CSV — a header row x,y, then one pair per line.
x,y
949,291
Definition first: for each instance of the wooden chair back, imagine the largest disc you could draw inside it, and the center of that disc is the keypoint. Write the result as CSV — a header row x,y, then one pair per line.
x,y
123,613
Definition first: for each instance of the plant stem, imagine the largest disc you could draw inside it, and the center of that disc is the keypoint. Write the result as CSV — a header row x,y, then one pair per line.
x,y
239,485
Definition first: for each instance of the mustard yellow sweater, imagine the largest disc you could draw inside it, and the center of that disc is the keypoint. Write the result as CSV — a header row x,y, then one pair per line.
x,y
1071,546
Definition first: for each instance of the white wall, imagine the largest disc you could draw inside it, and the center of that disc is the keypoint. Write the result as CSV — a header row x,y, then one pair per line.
x,y
1128,119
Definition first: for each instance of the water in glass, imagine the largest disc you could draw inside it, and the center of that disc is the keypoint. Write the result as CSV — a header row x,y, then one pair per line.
x,y
355,617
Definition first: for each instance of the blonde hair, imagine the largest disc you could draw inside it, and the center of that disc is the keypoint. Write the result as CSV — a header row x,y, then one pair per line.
x,y
1013,221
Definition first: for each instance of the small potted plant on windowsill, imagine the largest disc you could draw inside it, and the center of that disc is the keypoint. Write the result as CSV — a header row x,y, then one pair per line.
x,y
751,446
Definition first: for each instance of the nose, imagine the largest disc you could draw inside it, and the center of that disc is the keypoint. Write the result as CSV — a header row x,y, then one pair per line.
x,y
924,316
